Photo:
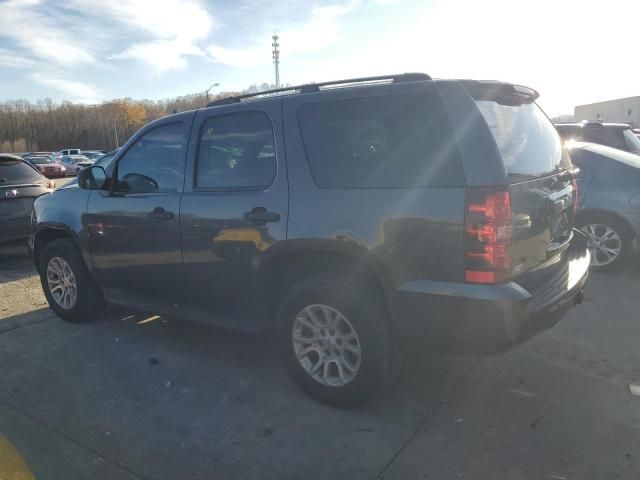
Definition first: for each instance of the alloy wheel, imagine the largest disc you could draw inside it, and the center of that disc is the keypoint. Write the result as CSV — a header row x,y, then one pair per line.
x,y
326,345
62,282
604,244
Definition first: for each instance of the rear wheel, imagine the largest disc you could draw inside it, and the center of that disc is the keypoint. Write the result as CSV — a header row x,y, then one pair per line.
x,y
333,340
609,240
68,286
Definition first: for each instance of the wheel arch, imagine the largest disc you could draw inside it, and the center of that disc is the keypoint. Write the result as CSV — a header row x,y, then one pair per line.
x,y
43,236
587,212
297,260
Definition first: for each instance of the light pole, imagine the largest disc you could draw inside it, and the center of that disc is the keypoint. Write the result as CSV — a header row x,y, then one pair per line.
x,y
209,89
276,57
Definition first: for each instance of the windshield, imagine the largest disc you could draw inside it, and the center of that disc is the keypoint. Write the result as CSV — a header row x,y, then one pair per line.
x,y
527,140
632,140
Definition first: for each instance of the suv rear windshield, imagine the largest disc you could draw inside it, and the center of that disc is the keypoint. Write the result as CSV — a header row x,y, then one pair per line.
x,y
398,141
527,140
17,172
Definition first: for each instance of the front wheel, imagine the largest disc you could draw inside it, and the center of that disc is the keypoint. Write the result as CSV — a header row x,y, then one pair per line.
x,y
334,341
608,239
68,286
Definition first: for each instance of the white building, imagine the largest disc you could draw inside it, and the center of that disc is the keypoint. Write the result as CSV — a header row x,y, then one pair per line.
x,y
622,110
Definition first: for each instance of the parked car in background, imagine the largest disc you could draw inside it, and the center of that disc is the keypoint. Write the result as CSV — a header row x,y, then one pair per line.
x,y
609,193
74,163
68,151
92,154
47,166
355,218
616,135
20,185
31,158
39,154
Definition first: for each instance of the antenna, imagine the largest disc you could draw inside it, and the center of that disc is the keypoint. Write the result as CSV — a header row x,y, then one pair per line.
x,y
276,57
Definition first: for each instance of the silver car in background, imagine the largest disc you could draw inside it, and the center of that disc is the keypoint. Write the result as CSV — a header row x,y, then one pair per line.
x,y
609,201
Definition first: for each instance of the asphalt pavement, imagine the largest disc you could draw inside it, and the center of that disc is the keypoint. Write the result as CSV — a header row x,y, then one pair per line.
x,y
136,396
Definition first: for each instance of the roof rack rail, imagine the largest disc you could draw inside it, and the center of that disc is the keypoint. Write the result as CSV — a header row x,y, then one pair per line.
x,y
315,87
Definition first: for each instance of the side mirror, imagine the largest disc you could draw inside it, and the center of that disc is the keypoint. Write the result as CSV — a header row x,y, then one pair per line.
x,y
92,178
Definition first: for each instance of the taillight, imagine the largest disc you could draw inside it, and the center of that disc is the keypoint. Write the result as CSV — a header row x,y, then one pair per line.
x,y
487,235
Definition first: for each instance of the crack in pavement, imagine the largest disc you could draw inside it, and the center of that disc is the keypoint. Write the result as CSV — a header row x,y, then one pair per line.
x,y
71,439
431,414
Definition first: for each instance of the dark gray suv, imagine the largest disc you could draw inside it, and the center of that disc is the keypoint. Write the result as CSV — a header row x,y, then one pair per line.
x,y
352,217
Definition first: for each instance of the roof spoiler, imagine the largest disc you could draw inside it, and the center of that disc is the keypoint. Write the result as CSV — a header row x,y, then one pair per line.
x,y
503,93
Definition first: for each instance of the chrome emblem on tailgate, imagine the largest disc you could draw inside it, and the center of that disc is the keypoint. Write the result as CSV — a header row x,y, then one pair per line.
x,y
11,193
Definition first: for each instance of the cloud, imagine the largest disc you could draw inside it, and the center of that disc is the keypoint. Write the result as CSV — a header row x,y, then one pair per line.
x,y
320,31
42,36
161,55
173,28
78,91
10,59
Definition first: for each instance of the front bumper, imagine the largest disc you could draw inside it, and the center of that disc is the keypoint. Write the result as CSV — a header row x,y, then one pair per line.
x,y
473,319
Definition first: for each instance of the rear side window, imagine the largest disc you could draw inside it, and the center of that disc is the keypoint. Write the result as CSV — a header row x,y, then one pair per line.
x,y
399,141
527,140
236,151
17,172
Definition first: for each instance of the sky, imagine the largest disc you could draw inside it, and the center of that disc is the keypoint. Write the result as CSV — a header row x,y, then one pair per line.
x,y
571,51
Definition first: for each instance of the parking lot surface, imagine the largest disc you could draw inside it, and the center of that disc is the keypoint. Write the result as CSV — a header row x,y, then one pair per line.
x,y
140,396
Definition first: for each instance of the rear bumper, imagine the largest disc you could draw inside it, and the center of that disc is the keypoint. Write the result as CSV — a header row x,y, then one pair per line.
x,y
472,319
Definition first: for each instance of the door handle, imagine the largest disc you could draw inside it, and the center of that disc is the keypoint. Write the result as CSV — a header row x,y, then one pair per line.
x,y
261,216
159,214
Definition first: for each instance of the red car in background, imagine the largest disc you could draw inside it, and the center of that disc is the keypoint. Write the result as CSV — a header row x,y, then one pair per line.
x,y
47,166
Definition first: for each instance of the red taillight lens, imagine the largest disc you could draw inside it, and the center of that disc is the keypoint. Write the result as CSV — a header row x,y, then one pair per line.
x,y
487,235
494,206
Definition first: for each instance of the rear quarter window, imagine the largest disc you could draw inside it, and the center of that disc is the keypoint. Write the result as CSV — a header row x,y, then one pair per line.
x,y
399,141
527,140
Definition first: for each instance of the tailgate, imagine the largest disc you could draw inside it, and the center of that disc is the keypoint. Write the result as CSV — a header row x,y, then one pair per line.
x,y
537,172
543,216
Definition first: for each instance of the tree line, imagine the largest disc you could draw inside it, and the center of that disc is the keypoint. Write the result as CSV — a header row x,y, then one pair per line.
x,y
45,126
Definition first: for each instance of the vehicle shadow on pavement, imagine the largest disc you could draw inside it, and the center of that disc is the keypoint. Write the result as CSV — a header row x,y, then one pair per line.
x,y
25,319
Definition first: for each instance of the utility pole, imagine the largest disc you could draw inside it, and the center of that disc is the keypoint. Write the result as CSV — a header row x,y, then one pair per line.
x,y
276,57
209,89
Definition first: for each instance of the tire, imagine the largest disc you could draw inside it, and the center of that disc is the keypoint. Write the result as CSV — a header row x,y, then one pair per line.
x,y
89,300
600,226
328,293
